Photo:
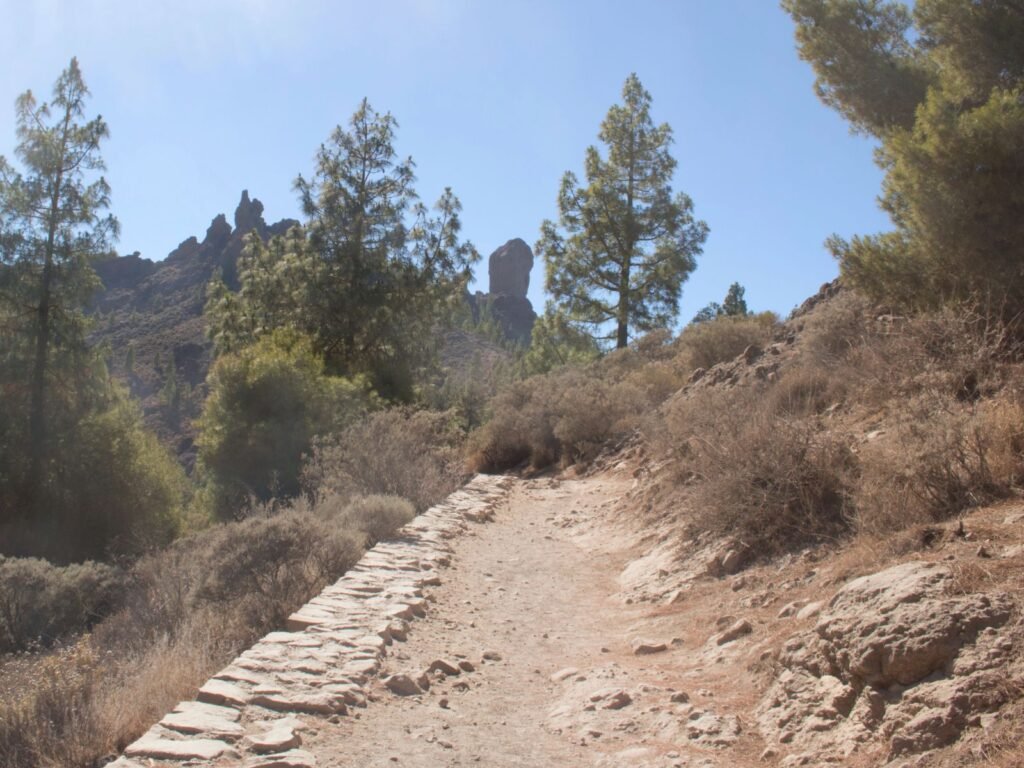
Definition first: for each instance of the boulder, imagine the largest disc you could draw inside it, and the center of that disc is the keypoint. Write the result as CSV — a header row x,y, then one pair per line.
x,y
402,685
737,630
892,653
897,626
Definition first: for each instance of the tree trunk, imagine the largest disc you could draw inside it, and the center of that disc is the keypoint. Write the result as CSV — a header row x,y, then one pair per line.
x,y
622,330
37,407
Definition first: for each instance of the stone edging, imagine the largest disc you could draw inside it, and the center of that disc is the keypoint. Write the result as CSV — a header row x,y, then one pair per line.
x,y
323,663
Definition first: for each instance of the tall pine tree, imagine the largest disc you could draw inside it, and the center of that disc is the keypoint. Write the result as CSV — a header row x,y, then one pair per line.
x,y
370,277
53,222
79,475
624,244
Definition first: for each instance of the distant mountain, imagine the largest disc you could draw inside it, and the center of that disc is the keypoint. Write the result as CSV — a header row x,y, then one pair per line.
x,y
150,314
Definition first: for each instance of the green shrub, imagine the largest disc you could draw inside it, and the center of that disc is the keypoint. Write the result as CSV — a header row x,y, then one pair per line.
x,y
41,603
111,489
554,343
267,403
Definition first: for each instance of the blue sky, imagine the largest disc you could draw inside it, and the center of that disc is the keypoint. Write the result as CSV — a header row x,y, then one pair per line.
x,y
495,99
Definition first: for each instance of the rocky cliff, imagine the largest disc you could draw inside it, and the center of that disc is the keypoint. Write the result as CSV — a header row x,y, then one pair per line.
x,y
150,315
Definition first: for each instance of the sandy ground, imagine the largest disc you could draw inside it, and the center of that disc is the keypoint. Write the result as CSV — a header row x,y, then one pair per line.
x,y
558,591
528,590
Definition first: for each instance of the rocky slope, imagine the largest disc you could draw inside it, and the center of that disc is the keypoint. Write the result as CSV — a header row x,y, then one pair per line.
x,y
150,315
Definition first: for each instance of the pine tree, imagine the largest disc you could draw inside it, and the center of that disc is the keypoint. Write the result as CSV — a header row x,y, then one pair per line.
x,y
371,275
52,225
733,305
941,85
80,477
624,244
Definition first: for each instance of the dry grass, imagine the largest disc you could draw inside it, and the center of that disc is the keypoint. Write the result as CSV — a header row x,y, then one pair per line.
x,y
188,611
407,453
773,481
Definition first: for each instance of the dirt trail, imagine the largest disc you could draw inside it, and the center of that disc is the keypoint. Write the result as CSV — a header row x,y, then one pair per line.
x,y
523,588
585,639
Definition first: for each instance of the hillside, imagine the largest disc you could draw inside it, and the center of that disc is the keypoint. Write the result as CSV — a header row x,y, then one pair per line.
x,y
622,630
150,315
153,311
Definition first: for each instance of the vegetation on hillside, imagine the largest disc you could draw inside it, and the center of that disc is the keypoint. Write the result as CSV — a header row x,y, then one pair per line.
x,y
369,277
940,85
329,421
79,475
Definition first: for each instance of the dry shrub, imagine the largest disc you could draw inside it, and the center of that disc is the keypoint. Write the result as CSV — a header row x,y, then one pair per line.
x,y
702,345
940,458
371,518
1002,420
774,482
570,414
397,452
954,352
834,328
186,612
266,567
806,390
41,603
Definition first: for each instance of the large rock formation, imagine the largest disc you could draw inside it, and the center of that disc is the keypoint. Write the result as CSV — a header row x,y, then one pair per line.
x,y
155,309
509,269
509,272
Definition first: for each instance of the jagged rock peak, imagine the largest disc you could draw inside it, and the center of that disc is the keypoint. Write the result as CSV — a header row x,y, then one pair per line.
x,y
249,215
218,232
509,269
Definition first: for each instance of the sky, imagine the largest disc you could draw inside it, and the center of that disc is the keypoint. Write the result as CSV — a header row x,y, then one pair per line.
x,y
494,98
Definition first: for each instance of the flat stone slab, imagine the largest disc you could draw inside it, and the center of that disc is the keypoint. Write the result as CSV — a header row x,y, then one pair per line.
x,y
293,758
155,746
312,702
280,736
210,719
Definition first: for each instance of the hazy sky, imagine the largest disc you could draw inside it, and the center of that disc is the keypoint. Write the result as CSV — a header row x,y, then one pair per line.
x,y
495,98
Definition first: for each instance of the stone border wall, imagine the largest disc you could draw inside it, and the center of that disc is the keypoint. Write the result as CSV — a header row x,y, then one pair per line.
x,y
249,712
